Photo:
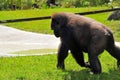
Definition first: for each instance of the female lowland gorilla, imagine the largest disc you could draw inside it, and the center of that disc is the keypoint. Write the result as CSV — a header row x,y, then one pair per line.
x,y
81,34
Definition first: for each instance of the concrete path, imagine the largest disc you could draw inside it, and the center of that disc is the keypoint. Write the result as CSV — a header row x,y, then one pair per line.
x,y
12,40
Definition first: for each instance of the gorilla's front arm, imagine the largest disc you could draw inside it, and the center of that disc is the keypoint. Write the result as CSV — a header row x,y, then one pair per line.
x,y
62,54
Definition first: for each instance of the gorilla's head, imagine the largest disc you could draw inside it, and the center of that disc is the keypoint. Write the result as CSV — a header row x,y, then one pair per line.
x,y
58,21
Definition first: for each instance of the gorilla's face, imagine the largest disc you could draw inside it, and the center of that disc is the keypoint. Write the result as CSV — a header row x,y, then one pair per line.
x,y
58,22
55,26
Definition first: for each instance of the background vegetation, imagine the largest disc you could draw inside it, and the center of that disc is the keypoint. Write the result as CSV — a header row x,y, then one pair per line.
x,y
40,4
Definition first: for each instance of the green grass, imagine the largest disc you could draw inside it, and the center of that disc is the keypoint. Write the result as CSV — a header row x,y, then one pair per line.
x,y
36,51
43,26
44,68
42,12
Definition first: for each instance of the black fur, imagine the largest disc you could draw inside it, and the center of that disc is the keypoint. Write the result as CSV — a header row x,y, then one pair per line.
x,y
80,34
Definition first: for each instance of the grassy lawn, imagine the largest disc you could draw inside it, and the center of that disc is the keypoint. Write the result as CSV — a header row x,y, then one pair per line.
x,y
44,68
43,26
36,51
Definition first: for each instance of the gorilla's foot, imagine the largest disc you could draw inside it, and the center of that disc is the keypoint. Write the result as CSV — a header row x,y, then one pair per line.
x,y
96,71
61,66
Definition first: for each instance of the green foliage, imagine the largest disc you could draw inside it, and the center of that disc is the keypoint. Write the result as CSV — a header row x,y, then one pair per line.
x,y
27,4
87,3
83,3
4,4
116,3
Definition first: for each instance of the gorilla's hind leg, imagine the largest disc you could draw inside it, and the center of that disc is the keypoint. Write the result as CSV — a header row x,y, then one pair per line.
x,y
79,57
95,63
113,49
93,53
115,52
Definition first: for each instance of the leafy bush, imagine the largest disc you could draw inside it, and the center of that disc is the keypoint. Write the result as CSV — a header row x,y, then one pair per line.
x,y
116,3
27,4
82,3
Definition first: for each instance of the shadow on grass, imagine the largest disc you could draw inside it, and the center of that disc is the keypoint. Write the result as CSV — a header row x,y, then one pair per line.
x,y
85,75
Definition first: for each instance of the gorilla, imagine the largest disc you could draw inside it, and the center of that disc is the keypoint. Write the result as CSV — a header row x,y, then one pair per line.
x,y
81,34
114,16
